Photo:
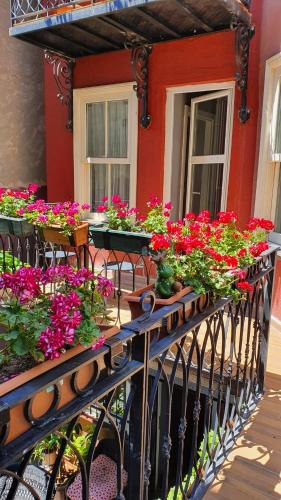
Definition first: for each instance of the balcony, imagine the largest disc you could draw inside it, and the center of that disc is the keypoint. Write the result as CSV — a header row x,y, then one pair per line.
x,y
82,27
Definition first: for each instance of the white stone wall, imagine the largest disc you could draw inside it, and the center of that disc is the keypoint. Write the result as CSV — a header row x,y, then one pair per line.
x,y
21,109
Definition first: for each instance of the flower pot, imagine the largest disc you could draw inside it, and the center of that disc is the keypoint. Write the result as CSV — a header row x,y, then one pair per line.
x,y
134,299
49,458
15,226
53,234
123,241
42,401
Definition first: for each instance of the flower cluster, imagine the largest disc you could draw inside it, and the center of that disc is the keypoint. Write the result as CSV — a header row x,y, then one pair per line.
x,y
44,325
118,214
14,202
158,215
66,215
210,254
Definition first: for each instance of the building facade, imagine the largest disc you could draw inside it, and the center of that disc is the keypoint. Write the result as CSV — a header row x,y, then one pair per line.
x,y
22,149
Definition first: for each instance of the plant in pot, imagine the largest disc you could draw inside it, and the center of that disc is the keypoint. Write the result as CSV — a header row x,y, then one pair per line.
x,y
204,255
59,223
13,205
125,229
42,330
121,229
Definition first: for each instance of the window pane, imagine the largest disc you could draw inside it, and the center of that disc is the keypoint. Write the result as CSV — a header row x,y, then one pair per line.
x,y
206,188
99,184
278,208
96,130
120,181
117,129
209,127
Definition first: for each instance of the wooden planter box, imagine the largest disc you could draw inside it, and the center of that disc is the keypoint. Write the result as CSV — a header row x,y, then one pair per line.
x,y
16,226
53,234
123,241
43,400
134,299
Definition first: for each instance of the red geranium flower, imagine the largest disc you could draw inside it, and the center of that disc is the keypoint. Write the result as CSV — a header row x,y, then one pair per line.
x,y
244,286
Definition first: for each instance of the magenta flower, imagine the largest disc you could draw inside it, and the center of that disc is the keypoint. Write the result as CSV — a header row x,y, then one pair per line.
x,y
85,206
98,344
104,286
116,199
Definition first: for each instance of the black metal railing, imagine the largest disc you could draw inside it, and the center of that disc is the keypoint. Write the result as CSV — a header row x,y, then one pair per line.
x,y
168,396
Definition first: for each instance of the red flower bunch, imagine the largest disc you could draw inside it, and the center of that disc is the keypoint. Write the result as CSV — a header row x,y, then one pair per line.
x,y
211,255
13,202
255,223
118,214
66,215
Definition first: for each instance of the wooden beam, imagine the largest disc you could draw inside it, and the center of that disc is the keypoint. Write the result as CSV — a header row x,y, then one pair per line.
x,y
194,17
124,28
102,38
151,18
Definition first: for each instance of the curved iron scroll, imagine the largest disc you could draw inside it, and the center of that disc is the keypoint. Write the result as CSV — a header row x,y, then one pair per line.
x,y
63,75
244,34
139,61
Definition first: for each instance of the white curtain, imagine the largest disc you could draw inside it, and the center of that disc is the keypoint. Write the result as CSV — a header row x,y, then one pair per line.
x,y
120,181
96,130
117,129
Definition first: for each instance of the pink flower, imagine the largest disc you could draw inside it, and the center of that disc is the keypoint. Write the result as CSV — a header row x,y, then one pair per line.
x,y
32,188
168,206
42,218
101,208
85,206
98,344
116,199
104,199
104,286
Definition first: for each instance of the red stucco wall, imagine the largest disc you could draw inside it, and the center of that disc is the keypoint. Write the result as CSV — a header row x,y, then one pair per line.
x,y
200,59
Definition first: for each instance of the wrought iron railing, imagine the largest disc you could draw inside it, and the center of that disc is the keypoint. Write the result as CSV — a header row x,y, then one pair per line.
x,y
26,10
189,375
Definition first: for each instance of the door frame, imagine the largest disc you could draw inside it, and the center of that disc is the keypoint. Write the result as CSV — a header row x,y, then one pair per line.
x,y
171,92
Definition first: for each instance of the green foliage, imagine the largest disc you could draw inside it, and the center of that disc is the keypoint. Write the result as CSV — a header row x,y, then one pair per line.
x,y
9,263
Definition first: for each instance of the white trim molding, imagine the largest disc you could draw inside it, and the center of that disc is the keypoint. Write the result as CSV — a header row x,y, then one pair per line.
x,y
267,173
82,97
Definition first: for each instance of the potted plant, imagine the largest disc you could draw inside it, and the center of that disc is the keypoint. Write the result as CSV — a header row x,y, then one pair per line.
x,y
121,230
208,256
13,205
42,331
59,223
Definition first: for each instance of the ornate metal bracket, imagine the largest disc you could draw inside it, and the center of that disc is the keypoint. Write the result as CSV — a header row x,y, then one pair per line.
x,y
63,75
139,61
244,33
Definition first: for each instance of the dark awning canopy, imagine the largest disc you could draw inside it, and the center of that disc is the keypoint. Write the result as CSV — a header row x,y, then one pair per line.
x,y
109,25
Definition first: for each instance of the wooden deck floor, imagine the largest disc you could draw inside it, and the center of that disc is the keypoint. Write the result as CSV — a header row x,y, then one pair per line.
x,y
253,468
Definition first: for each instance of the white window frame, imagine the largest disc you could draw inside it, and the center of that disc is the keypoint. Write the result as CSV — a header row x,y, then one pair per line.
x,y
269,167
82,164
209,159
229,89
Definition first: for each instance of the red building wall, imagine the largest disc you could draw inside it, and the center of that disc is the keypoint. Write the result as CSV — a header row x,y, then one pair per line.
x,y
194,60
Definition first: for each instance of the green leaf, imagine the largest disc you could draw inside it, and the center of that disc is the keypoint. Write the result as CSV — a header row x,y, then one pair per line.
x,y
11,335
20,347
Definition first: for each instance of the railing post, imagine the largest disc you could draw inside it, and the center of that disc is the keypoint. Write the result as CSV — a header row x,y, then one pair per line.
x,y
138,469
266,317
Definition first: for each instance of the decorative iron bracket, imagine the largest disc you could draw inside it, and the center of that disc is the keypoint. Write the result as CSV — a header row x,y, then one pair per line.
x,y
244,34
63,75
139,61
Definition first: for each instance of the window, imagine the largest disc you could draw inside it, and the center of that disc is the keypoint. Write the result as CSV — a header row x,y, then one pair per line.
x,y
197,149
105,144
268,195
206,170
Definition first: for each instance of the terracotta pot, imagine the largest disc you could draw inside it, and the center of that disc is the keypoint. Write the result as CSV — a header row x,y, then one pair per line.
x,y
42,401
134,299
50,458
53,234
